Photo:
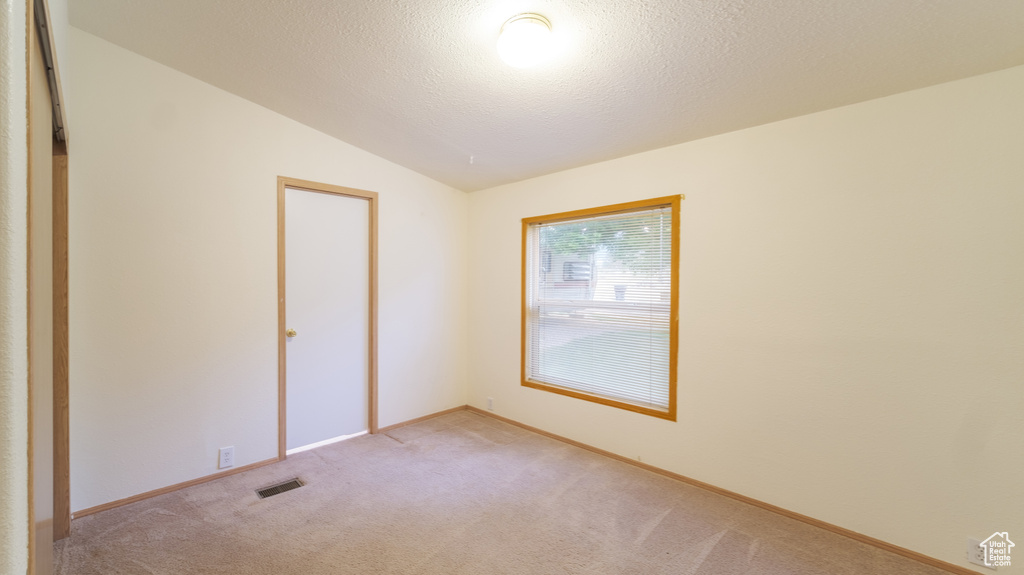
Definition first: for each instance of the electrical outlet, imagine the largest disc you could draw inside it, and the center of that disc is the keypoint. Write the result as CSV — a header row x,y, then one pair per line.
x,y
490,404
227,457
976,553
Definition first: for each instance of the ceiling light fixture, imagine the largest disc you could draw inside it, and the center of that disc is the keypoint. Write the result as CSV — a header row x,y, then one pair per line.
x,y
525,40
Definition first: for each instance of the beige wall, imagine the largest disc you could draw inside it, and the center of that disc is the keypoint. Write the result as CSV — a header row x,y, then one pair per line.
x,y
174,269
14,514
851,318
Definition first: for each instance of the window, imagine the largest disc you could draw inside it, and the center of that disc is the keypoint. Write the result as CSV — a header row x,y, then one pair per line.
x,y
600,319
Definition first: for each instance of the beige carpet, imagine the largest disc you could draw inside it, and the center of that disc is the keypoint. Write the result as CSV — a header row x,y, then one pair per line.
x,y
458,494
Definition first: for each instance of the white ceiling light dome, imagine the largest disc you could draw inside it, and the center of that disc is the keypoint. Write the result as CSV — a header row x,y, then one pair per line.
x,y
525,40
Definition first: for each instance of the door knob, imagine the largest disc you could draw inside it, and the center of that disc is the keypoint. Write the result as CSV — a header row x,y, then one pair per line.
x,y
291,333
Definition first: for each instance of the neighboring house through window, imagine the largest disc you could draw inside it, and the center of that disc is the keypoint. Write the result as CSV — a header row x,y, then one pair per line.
x,y
600,299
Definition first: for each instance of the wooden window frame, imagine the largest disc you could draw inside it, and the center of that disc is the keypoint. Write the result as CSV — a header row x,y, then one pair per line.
x,y
674,202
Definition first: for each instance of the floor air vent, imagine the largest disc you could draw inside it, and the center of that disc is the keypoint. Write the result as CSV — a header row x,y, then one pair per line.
x,y
279,488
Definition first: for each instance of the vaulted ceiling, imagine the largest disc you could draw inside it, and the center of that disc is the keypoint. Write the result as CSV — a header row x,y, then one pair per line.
x,y
419,81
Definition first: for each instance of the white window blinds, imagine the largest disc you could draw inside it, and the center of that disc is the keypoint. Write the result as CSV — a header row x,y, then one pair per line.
x,y
598,306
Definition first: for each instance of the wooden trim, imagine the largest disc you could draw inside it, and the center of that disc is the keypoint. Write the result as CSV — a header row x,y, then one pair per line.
x,y
311,186
523,305
673,346
171,488
626,207
61,354
30,41
674,203
282,397
372,396
423,418
372,365
669,415
860,537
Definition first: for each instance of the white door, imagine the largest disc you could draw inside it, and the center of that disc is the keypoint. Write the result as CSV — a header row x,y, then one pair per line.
x,y
327,259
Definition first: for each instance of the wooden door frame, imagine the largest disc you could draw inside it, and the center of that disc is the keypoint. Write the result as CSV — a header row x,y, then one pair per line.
x,y
282,184
39,29
61,350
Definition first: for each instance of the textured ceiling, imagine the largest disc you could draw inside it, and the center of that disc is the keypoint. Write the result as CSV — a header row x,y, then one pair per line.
x,y
419,81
